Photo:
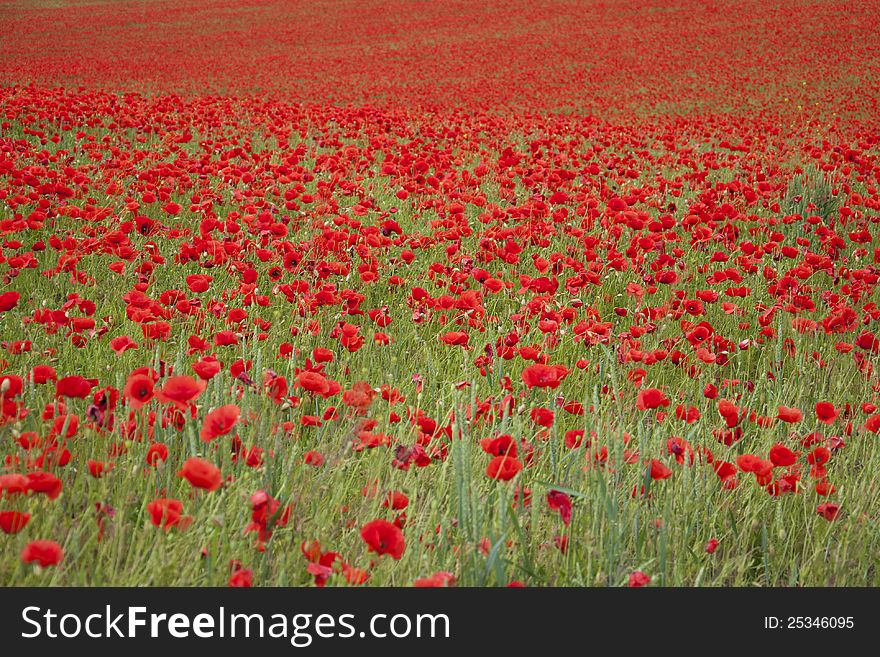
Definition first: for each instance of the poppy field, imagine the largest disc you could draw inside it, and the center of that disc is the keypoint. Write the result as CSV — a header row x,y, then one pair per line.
x,y
437,294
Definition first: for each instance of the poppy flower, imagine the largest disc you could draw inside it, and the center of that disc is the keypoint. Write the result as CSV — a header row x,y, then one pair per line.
x,y
383,537
439,579
790,415
782,456
10,386
42,374
138,390
12,522
156,453
219,422
9,300
651,398
207,368
499,446
45,483
122,344
201,474
638,579
44,552
826,413
313,382
828,510
181,391
74,386
544,376
503,468
561,502
659,470
167,513
242,578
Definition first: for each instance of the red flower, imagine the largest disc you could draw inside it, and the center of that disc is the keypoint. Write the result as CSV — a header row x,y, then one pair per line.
x,y
360,396
242,578
437,580
383,537
782,456
711,545
74,386
543,417
46,553
499,446
45,483
791,415
503,468
313,382
544,376
9,300
638,579
828,510
157,452
651,398
12,522
826,413
99,468
455,338
869,342
166,513
138,390
396,500
219,422
181,391
659,471
562,503
201,474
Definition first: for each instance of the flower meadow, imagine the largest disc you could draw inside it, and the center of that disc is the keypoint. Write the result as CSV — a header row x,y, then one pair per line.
x,y
437,294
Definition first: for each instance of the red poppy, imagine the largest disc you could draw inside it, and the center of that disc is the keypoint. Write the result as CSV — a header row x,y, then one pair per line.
x,y
45,483
561,502
12,522
201,474
74,386
181,391
383,537
313,382
544,376
651,398
44,552
826,413
500,445
157,452
13,484
138,390
659,470
439,579
543,417
782,456
219,422
242,578
9,300
790,415
638,579
503,468
167,513
98,469
43,374
828,510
